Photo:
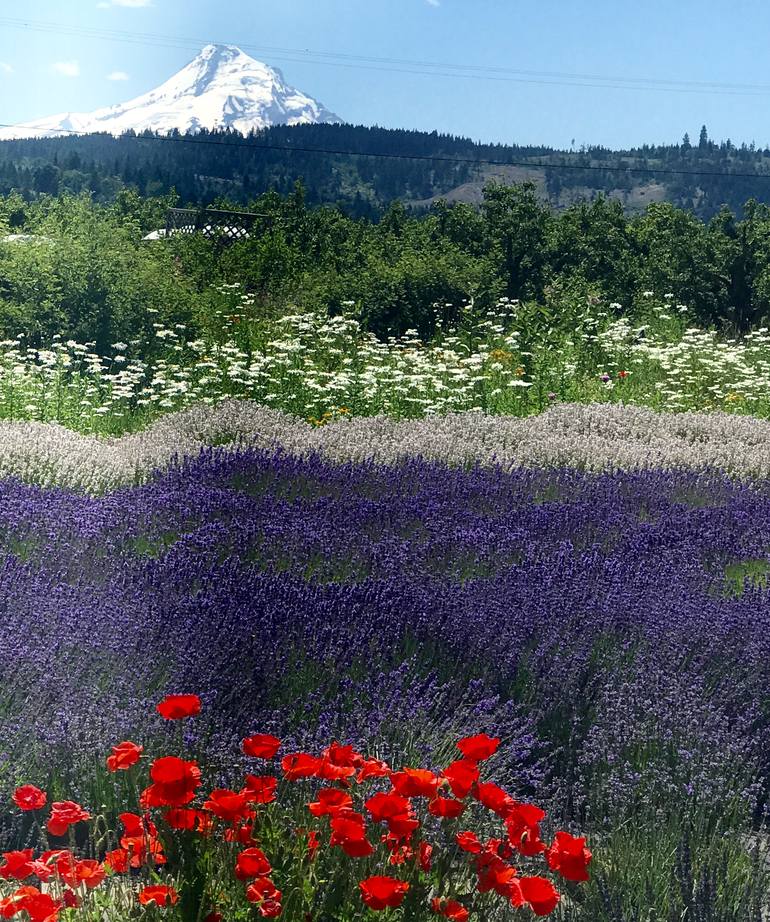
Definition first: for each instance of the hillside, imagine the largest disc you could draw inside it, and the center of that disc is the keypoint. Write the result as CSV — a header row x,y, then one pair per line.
x,y
336,165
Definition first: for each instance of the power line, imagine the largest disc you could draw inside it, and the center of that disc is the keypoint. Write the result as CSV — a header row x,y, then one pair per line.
x,y
658,171
397,65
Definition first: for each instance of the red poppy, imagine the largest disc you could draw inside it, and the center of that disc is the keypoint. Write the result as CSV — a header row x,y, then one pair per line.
x,y
160,894
494,798
252,862
524,829
17,865
330,801
299,765
214,917
349,832
227,805
338,762
425,855
569,856
494,874
451,909
536,892
478,747
262,889
385,806
28,797
383,892
174,707
117,860
270,909
313,842
261,746
88,872
63,815
188,819
260,789
461,775
71,900
415,782
372,768
175,783
446,807
124,755
41,907
469,842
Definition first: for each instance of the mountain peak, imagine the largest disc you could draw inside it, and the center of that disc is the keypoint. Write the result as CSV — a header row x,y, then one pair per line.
x,y
222,87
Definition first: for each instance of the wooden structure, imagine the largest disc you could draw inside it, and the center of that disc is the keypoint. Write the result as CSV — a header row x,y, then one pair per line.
x,y
226,225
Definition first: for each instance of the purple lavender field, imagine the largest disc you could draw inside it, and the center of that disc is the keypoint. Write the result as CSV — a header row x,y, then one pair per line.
x,y
612,629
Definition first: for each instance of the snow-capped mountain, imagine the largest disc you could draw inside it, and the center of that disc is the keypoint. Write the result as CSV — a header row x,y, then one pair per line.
x,y
221,88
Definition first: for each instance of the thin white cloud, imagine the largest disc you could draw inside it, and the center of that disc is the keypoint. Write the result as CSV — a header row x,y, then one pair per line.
x,y
67,68
5,68
117,75
433,2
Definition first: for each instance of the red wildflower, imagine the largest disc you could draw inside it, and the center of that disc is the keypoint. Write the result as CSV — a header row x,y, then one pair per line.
x,y
88,872
160,894
349,832
71,900
415,782
330,801
63,815
383,806
478,747
174,707
261,889
175,783
338,762
117,860
446,807
383,892
260,789
214,917
524,829
124,755
299,765
313,842
469,842
227,805
494,798
494,874
569,856
186,818
41,907
372,768
425,855
251,862
461,775
451,909
270,909
536,892
261,746
17,865
28,797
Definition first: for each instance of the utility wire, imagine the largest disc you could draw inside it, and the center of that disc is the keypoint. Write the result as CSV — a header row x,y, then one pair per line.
x,y
397,65
419,157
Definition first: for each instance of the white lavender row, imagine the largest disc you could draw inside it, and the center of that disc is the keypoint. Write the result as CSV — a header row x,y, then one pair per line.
x,y
597,437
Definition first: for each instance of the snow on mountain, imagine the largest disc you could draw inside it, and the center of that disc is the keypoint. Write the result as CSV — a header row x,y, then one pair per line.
x,y
221,88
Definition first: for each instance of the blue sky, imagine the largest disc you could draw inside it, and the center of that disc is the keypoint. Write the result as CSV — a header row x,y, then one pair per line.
x,y
43,72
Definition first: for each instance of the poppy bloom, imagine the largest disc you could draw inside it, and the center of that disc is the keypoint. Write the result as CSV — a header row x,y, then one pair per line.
x,y
262,888
383,892
124,755
415,782
260,789
160,894
425,855
299,765
270,909
569,856
174,707
446,807
383,806
188,819
494,798
17,865
469,842
227,805
372,768
88,872
536,892
117,860
330,801
28,797
494,874
451,909
524,829
174,783
251,862
461,775
63,815
41,907
261,746
71,900
349,832
478,747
